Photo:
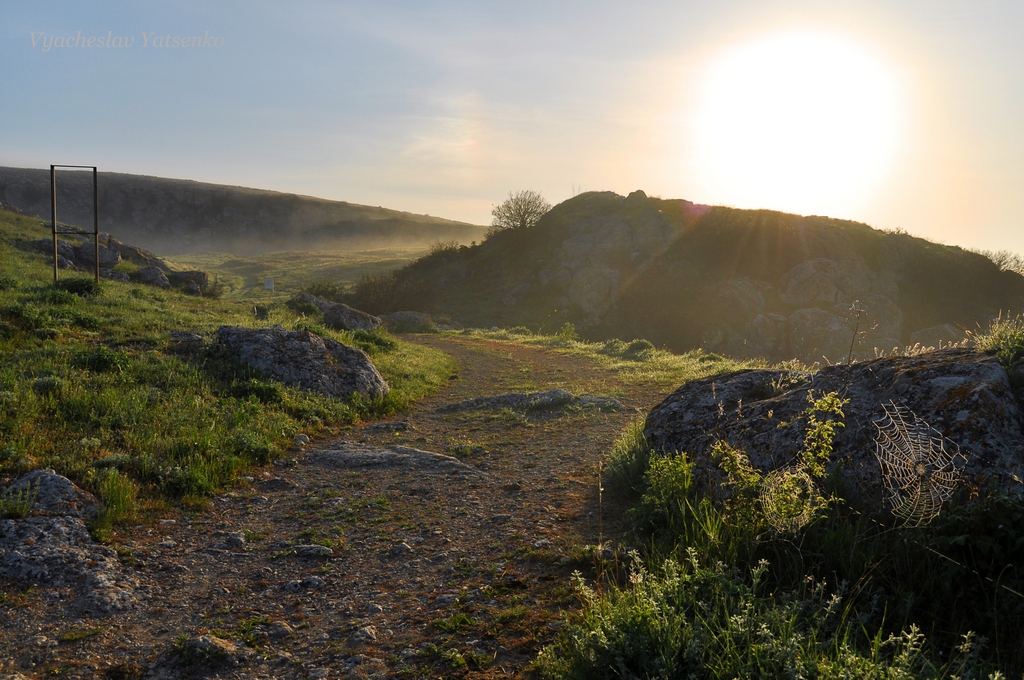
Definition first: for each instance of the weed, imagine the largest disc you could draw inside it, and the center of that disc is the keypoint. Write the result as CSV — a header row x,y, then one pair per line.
x,y
455,623
17,503
80,286
80,633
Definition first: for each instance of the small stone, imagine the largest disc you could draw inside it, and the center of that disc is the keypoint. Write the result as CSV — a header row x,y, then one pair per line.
x,y
301,439
501,519
375,608
169,543
541,543
280,629
401,550
446,600
312,551
235,541
362,636
312,582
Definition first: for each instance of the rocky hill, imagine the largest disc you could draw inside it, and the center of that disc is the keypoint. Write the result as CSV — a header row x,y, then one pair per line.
x,y
175,216
743,282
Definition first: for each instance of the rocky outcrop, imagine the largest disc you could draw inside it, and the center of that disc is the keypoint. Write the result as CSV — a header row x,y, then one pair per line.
x,y
305,360
338,315
963,394
52,546
189,278
590,262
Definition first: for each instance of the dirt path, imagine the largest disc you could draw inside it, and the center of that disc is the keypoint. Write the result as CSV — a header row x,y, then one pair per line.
x,y
430,573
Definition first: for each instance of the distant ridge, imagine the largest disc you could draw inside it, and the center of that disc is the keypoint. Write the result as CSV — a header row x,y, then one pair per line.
x,y
176,216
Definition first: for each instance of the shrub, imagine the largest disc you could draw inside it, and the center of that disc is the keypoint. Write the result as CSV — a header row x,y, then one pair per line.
x,y
328,290
266,392
638,349
8,282
628,462
373,342
56,296
23,316
567,333
101,359
16,504
81,287
117,493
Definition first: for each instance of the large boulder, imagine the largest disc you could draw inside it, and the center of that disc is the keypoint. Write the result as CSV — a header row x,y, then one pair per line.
x,y
86,254
305,360
153,276
139,256
53,495
966,396
52,545
338,315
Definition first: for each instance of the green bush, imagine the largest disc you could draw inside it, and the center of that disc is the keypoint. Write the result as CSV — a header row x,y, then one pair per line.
x,y
264,391
80,286
628,461
56,296
638,349
8,282
24,316
101,359
373,342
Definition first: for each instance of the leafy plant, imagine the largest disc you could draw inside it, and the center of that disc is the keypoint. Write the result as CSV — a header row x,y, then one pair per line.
x,y
17,503
80,286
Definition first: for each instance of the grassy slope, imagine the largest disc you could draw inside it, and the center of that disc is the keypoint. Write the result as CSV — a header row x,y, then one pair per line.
x,y
94,387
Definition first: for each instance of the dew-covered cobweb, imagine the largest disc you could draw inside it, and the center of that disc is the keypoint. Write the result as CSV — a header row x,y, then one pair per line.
x,y
920,468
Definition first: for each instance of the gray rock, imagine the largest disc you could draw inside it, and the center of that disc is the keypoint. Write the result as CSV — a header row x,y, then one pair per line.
x,y
363,636
408,322
312,550
513,297
64,248
401,550
338,315
54,495
280,629
215,650
59,552
65,263
352,456
193,289
346,318
86,254
187,338
153,276
139,256
114,275
306,360
810,283
963,394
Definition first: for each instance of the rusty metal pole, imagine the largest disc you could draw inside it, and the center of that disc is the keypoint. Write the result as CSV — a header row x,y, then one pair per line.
x,y
96,222
53,216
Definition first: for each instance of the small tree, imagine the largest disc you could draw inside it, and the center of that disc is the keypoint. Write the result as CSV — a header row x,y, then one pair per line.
x,y
520,210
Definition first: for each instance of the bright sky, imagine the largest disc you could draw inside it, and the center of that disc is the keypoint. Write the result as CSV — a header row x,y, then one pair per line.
x,y
902,114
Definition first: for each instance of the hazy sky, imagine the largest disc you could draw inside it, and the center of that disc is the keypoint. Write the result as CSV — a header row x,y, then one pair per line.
x,y
904,114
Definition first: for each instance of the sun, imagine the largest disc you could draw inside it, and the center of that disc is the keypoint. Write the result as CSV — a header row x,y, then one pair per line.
x,y
800,122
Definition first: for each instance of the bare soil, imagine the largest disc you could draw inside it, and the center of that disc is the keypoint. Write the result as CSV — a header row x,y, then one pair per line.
x,y
437,575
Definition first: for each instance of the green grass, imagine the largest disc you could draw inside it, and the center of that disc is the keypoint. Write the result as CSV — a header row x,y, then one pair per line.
x,y
92,385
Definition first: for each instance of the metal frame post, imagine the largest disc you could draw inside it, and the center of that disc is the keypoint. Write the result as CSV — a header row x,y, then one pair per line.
x,y
95,217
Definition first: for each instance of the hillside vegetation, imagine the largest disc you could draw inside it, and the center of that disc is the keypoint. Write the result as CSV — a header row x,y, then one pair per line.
x,y
741,282
93,384
173,216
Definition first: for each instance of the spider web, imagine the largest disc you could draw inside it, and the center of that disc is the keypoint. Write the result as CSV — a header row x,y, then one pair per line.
x,y
920,468
789,498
